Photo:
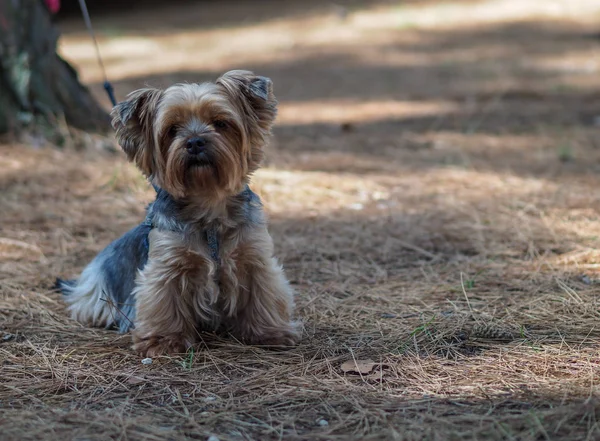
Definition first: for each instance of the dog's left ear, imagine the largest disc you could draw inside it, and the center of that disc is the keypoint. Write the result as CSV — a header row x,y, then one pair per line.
x,y
255,94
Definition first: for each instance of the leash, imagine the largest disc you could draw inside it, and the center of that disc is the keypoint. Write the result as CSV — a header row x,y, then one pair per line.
x,y
88,22
107,85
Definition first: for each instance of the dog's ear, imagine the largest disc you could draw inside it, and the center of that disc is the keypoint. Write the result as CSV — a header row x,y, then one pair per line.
x,y
132,120
255,93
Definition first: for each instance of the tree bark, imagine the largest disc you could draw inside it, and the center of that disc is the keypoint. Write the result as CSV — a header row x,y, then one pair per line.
x,y
36,85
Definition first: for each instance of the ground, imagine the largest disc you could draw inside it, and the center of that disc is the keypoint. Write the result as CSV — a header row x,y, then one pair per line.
x,y
432,188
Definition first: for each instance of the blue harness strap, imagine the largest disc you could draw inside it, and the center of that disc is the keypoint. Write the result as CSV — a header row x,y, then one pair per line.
x,y
212,237
213,244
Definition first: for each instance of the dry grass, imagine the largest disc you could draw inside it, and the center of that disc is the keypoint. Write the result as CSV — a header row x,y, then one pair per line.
x,y
433,195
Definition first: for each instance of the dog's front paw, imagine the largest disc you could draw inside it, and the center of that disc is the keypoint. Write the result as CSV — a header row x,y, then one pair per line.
x,y
283,337
159,345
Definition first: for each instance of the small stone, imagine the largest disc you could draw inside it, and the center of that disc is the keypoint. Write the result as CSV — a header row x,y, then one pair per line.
x,y
147,361
585,279
209,399
322,422
212,438
379,196
7,337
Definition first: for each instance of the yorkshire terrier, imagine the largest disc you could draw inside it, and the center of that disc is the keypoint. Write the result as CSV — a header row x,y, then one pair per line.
x,y
202,260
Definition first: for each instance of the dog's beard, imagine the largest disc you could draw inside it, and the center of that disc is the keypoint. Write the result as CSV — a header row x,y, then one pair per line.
x,y
216,170
200,172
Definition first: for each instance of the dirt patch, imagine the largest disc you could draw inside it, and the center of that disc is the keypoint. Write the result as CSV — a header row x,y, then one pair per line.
x,y
432,192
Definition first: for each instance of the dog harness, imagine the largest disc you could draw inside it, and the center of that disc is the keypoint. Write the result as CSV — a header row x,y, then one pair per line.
x,y
212,239
211,234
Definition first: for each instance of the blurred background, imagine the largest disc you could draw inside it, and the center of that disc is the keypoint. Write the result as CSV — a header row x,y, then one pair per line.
x,y
409,76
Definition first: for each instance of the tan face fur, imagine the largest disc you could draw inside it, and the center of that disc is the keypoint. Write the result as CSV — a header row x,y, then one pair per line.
x,y
198,139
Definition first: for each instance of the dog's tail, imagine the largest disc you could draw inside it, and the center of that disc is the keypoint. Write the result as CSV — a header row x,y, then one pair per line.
x,y
65,286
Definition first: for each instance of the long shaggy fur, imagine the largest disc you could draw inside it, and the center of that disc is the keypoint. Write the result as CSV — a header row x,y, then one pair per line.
x,y
160,278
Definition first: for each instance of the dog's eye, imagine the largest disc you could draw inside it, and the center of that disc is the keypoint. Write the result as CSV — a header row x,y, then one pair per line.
x,y
172,131
219,124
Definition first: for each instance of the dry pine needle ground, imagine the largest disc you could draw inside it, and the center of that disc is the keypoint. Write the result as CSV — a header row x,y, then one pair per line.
x,y
433,194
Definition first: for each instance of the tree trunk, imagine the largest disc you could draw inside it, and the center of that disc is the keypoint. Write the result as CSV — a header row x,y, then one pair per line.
x,y
36,85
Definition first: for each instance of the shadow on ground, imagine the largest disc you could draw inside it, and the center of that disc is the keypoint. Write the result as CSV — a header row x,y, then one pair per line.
x,y
479,62
492,80
152,17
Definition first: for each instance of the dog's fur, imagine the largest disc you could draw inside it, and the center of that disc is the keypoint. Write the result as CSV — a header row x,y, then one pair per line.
x,y
160,278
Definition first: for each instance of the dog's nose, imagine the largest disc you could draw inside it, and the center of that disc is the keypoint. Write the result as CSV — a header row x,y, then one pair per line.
x,y
195,145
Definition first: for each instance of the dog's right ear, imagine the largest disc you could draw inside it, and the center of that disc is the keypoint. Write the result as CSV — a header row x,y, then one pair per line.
x,y
132,120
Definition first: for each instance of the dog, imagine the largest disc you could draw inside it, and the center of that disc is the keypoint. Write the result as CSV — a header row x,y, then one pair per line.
x,y
202,260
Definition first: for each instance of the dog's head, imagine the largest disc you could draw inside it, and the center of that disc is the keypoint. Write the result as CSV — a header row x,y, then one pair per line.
x,y
198,138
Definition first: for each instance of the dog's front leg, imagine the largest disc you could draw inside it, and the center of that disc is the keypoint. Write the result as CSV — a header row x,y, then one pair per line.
x,y
264,303
165,319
